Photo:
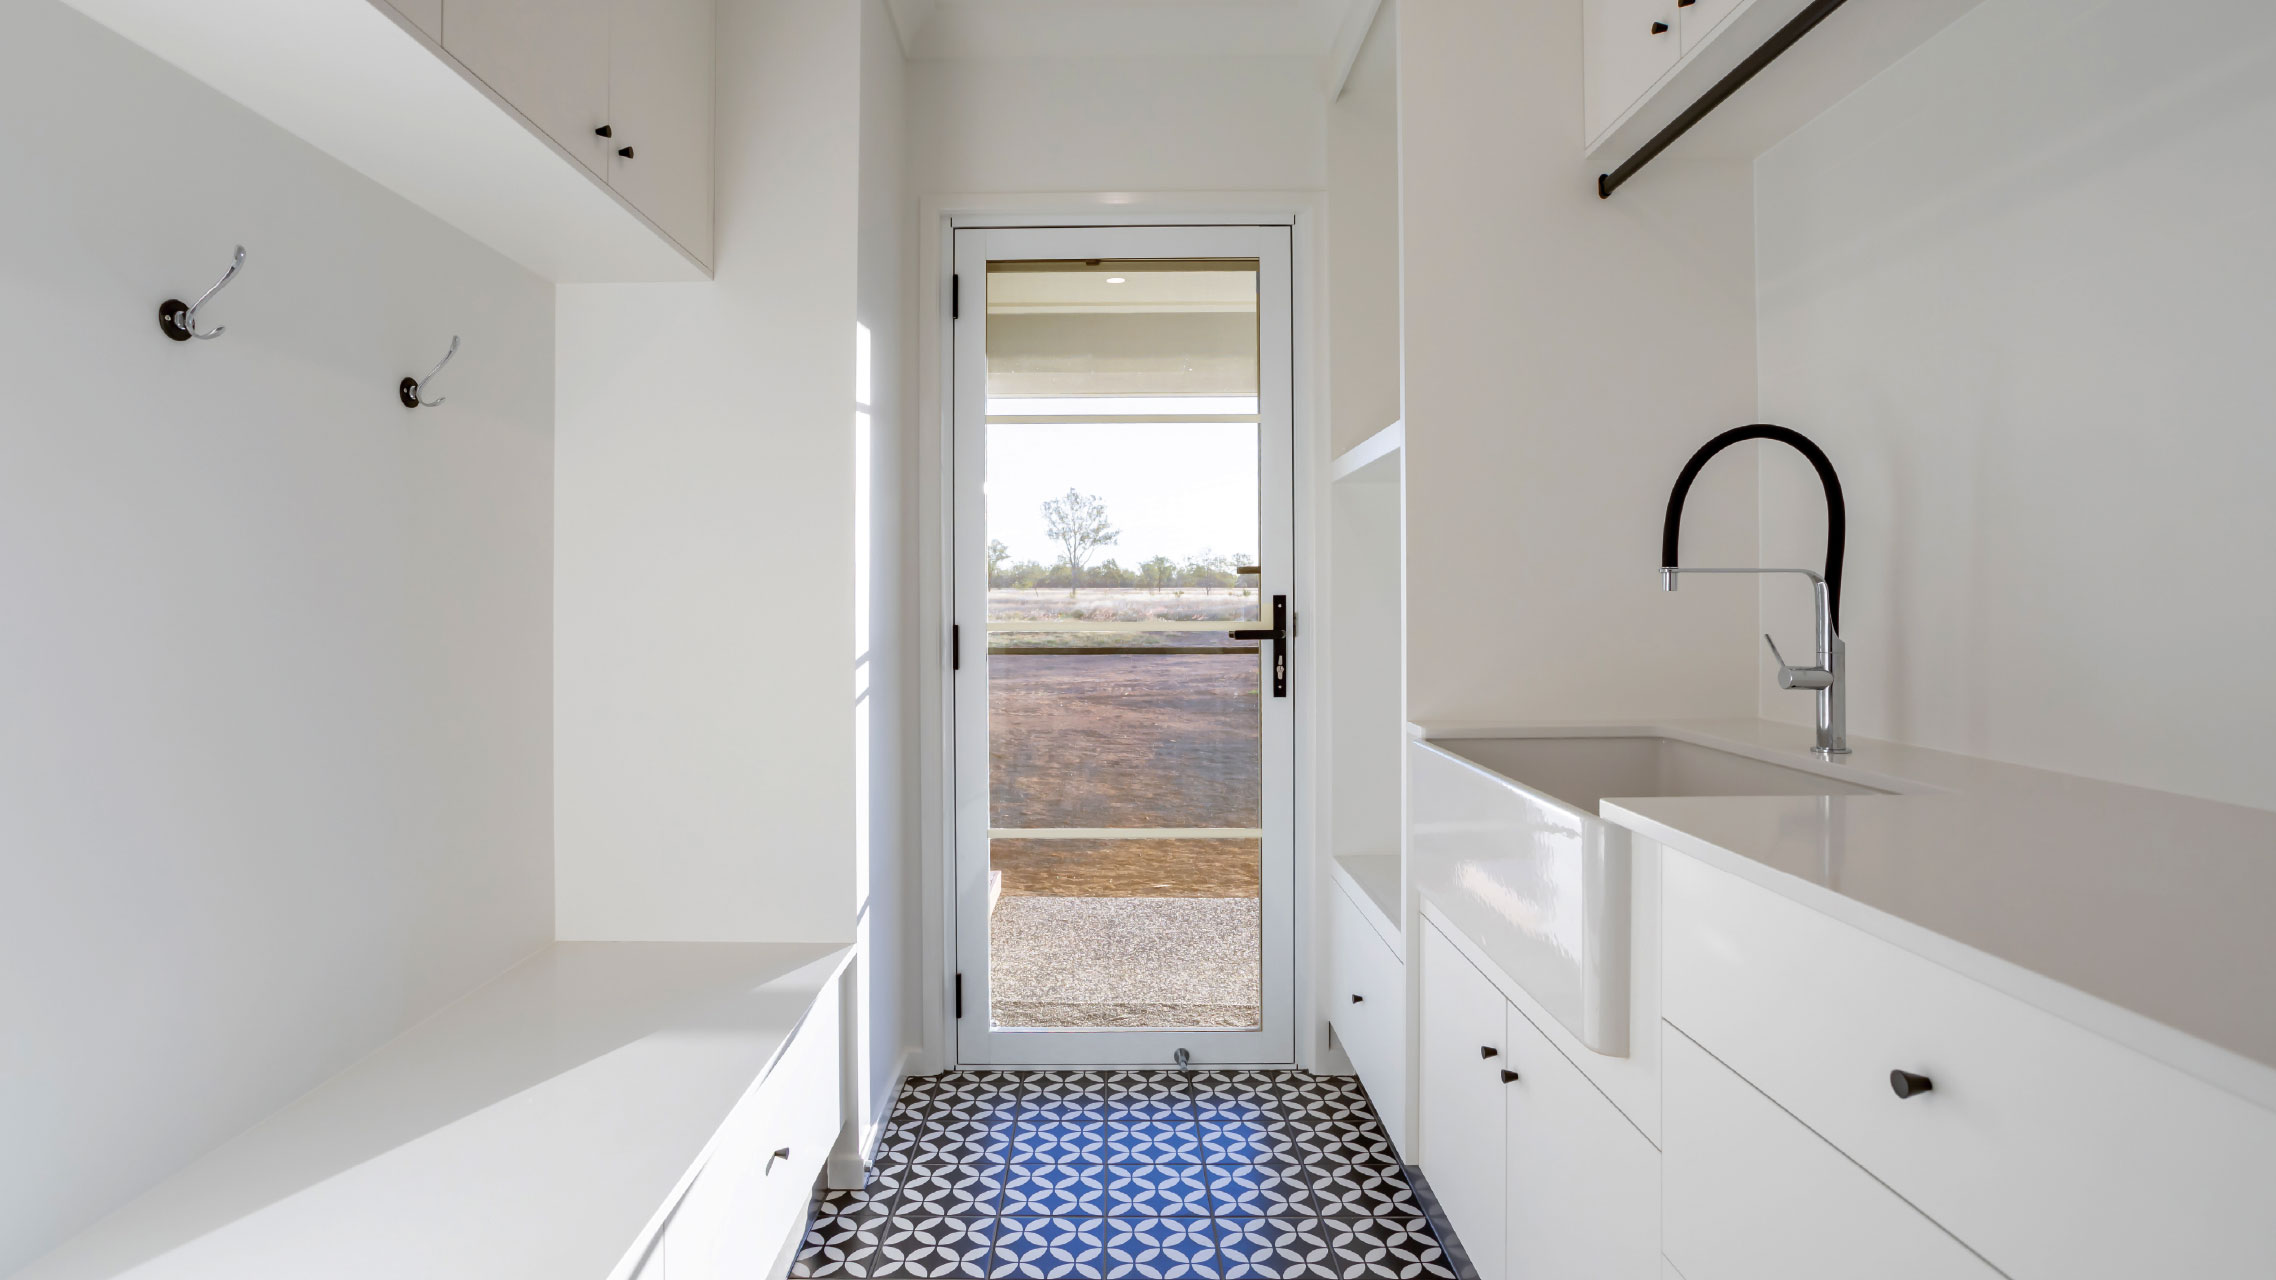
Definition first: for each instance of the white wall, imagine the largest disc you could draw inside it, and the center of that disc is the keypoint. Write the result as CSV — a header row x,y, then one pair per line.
x,y
2020,287
1116,124
1363,235
884,639
705,775
275,657
1565,354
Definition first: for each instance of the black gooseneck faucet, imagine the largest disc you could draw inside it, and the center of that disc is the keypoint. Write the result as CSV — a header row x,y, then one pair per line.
x,y
1826,678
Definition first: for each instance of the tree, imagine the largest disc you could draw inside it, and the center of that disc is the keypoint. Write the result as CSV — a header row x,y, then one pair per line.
x,y
997,554
1161,572
1078,524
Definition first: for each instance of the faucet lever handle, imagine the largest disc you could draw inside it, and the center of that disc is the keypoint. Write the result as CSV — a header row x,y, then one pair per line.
x,y
1793,677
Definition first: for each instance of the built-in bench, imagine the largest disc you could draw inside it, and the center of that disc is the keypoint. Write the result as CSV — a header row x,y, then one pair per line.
x,y
603,1110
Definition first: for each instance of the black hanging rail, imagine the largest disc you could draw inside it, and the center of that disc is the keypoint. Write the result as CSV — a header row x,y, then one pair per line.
x,y
1799,26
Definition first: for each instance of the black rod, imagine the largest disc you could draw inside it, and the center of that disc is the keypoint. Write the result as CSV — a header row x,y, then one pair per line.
x,y
1837,511
1607,183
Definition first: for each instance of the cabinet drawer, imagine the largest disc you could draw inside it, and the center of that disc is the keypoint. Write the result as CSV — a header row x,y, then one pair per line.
x,y
1367,1004
750,1196
1464,1104
1751,1194
2051,1151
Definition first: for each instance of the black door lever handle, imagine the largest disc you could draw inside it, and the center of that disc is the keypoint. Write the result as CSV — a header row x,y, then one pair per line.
x,y
1278,634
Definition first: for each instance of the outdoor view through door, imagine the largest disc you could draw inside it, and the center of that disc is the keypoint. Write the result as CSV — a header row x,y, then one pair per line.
x,y
1122,540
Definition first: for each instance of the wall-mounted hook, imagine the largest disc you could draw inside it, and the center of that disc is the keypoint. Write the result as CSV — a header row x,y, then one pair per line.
x,y
411,391
180,322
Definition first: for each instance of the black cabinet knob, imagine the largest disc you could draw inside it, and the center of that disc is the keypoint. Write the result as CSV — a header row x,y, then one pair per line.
x,y
1907,1084
1357,998
626,152
604,131
1659,28
1685,4
1508,1076
1488,1051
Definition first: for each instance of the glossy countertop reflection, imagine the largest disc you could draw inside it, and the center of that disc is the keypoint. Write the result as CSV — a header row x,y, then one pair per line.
x,y
2159,904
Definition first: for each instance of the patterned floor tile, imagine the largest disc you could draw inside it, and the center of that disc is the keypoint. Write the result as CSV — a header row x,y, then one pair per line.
x,y
1086,1175
1392,1248
1288,1248
1153,1142
957,1190
1056,1190
1156,1191
1247,1141
1161,1249
946,1245
1362,1191
844,1244
1055,1141
1050,1249
1257,1191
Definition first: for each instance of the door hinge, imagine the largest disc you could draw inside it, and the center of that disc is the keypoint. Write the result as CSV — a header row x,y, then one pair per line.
x,y
956,297
960,996
955,647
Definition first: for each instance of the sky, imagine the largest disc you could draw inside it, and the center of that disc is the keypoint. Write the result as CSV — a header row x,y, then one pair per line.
x,y
1173,489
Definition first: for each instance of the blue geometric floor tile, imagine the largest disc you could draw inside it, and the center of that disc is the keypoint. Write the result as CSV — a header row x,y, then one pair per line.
x,y
1150,1175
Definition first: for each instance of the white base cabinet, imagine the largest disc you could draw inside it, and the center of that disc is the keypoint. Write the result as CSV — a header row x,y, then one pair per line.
x,y
1366,997
2055,1153
1541,1177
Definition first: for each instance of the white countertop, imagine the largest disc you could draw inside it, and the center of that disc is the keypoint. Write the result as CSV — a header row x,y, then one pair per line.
x,y
535,1130
2154,907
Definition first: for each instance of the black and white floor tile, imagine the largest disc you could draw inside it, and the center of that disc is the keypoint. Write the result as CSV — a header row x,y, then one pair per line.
x,y
1100,1175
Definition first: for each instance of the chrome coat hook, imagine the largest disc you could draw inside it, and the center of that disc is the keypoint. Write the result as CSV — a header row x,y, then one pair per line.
x,y
412,391
181,322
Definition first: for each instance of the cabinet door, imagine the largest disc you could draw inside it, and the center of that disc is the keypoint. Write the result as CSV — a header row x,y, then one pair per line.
x,y
659,97
1463,1098
1701,17
1624,56
1584,1184
1752,1194
1367,1001
549,58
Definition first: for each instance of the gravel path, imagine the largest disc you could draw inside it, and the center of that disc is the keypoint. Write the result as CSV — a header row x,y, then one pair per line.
x,y
1121,962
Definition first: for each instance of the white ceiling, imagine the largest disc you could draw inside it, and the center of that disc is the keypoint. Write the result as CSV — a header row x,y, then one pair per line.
x,y
1327,30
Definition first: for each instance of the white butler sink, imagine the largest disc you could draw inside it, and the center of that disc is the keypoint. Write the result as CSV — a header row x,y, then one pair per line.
x,y
1511,825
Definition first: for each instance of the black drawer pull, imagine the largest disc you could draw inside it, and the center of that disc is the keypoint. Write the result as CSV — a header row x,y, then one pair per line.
x,y
605,131
1907,1084
1508,1076
1488,1051
1659,28
626,152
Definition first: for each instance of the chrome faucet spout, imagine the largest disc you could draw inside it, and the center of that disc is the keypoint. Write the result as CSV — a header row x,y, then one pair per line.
x,y
1826,677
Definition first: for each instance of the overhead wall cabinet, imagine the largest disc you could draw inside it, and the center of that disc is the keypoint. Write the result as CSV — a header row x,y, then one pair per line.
x,y
1647,62
573,136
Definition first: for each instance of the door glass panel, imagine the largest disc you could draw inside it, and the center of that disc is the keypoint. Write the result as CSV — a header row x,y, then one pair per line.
x,y
1124,724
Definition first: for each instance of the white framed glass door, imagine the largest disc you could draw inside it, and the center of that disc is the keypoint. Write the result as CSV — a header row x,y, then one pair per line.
x,y
1122,568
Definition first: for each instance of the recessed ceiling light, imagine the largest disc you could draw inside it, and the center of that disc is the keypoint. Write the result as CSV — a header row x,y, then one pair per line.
x,y
1115,280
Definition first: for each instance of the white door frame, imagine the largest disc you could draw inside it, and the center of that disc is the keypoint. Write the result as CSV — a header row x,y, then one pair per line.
x,y
1304,213
978,1041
